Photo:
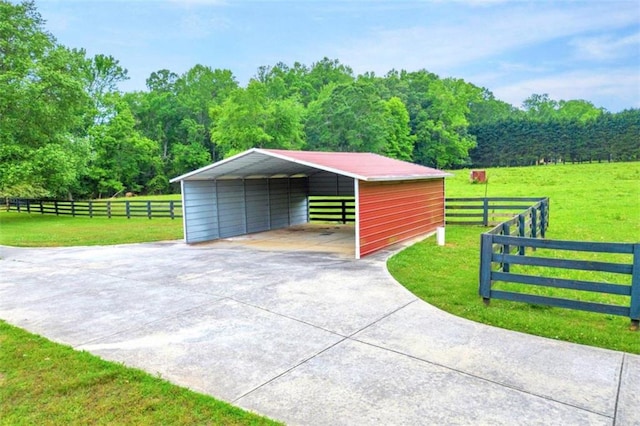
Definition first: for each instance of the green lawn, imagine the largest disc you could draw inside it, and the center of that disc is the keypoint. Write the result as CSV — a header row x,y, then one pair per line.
x,y
36,230
43,383
589,202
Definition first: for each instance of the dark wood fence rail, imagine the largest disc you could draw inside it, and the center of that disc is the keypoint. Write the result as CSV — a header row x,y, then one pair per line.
x,y
98,208
488,211
506,244
332,209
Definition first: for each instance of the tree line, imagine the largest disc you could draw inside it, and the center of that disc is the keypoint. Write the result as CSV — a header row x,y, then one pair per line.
x,y
67,131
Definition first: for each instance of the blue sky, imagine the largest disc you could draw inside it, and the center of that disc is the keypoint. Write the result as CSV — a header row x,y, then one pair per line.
x,y
569,49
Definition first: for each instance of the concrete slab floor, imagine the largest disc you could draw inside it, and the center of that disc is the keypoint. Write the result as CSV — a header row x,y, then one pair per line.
x,y
318,237
309,338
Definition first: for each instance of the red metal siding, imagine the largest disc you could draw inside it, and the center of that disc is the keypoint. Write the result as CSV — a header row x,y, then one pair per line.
x,y
391,212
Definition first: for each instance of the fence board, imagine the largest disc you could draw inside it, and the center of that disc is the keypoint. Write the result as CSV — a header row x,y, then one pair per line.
x,y
584,265
561,303
599,247
619,289
98,208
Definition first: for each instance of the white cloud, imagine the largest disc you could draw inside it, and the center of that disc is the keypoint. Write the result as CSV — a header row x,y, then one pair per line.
x,y
613,89
480,36
606,47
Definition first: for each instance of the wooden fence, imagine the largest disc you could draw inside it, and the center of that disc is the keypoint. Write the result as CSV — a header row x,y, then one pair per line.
x,y
332,209
489,211
506,245
98,208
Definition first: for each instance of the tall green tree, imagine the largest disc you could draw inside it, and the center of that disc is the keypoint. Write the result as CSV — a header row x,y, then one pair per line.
x,y
442,126
400,141
249,119
540,107
42,107
579,110
123,159
103,73
347,117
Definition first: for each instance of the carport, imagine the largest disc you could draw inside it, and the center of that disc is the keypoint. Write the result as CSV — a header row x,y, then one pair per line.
x,y
264,189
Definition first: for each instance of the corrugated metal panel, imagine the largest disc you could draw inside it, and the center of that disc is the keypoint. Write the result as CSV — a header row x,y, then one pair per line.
x,y
298,201
200,216
361,165
278,203
231,208
257,199
390,212
325,183
345,186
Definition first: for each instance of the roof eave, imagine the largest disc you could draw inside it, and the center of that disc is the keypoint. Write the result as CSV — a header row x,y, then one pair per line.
x,y
213,165
310,164
405,177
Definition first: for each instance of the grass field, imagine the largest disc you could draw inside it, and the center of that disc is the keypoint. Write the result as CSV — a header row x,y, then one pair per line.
x,y
36,230
589,202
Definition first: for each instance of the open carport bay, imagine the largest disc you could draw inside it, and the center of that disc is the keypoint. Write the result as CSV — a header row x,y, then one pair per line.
x,y
314,237
307,338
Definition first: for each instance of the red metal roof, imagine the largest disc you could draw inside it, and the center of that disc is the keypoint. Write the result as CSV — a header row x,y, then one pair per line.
x,y
363,165
258,162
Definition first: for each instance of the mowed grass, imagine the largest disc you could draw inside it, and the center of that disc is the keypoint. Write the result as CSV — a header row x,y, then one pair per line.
x,y
37,230
589,202
44,383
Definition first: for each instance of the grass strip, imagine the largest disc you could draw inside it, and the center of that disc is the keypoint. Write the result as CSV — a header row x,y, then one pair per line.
x,y
45,383
37,230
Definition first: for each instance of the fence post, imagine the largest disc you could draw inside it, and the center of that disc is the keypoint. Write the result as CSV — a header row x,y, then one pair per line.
x,y
73,208
534,222
634,312
343,205
543,218
55,206
485,211
109,209
506,248
41,208
91,209
149,209
486,252
521,232
171,209
127,209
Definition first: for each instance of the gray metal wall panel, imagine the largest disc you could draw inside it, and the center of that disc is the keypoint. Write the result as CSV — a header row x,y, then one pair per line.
x,y
345,186
257,208
298,201
325,183
201,222
279,203
227,208
231,208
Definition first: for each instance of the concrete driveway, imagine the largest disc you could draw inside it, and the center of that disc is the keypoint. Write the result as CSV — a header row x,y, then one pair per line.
x,y
307,338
